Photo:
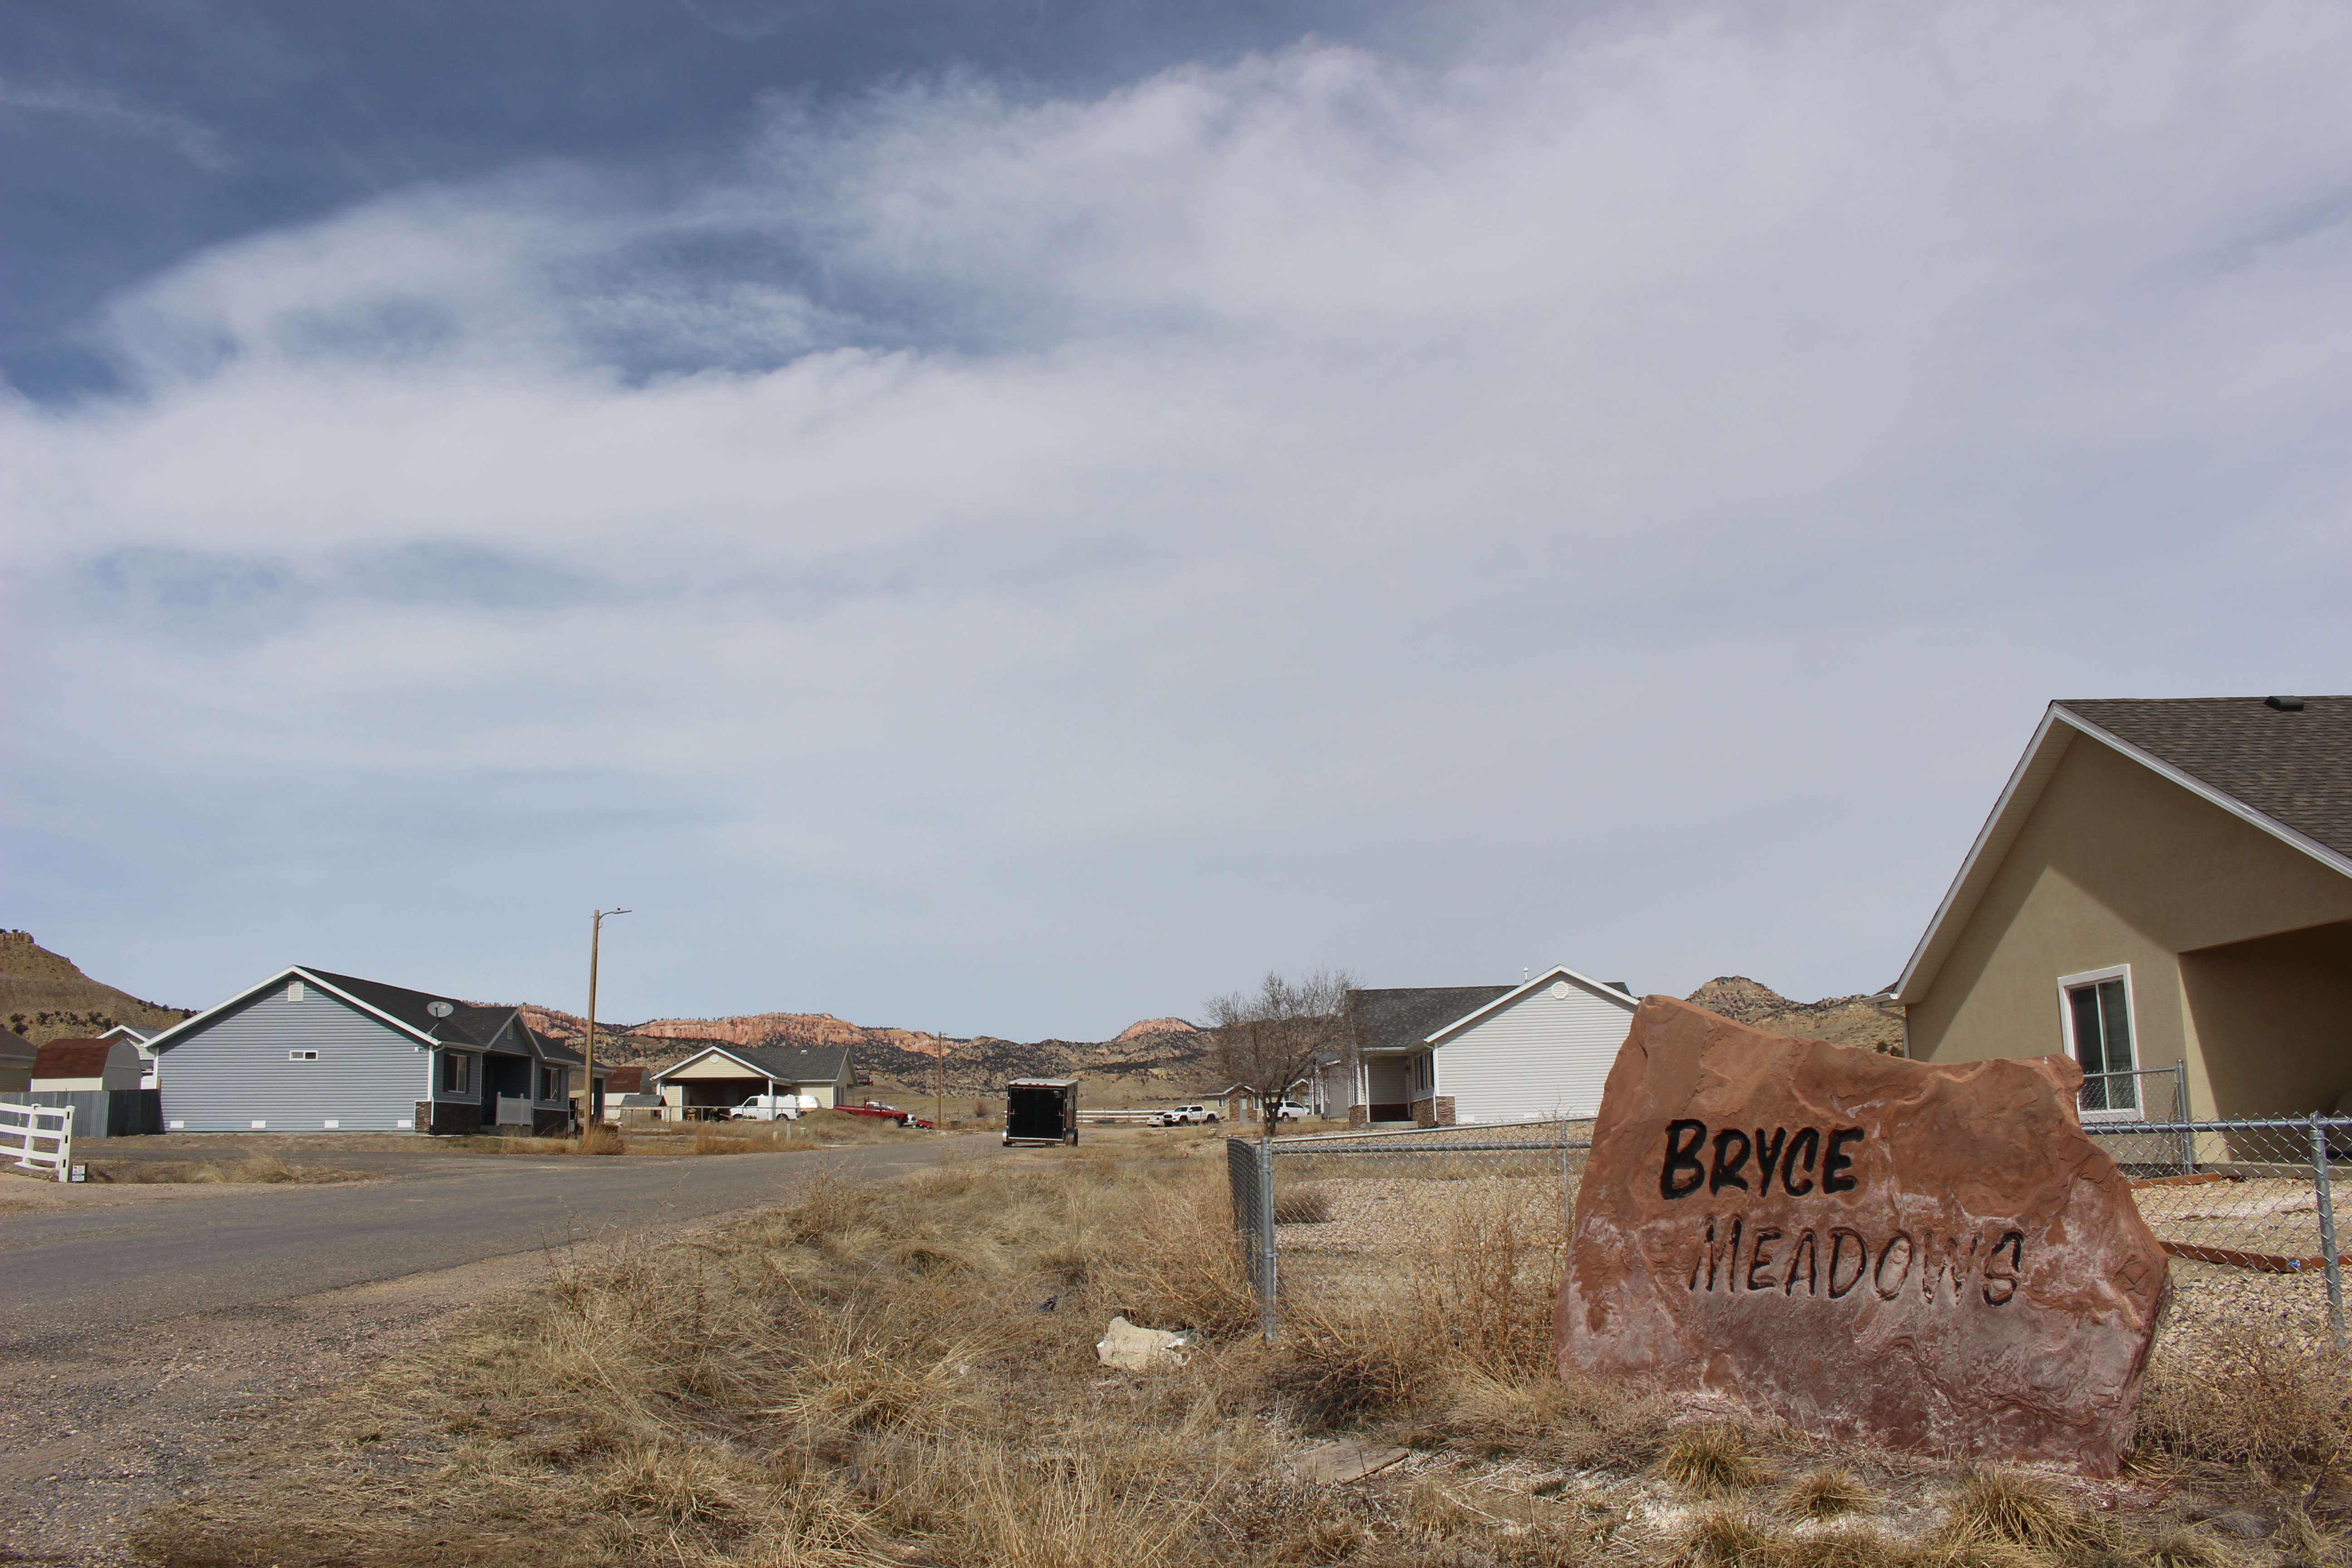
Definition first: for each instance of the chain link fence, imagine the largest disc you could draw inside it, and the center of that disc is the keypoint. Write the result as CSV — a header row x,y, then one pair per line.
x,y
1352,1221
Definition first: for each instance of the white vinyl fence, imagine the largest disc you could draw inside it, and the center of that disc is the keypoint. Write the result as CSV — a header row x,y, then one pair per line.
x,y
38,1137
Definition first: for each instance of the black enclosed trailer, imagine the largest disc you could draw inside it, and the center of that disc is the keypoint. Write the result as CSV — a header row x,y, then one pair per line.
x,y
1040,1111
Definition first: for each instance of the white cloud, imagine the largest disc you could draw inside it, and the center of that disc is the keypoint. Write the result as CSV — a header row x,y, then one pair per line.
x,y
194,142
1033,562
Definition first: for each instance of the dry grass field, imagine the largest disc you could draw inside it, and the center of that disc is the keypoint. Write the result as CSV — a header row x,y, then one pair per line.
x,y
906,1374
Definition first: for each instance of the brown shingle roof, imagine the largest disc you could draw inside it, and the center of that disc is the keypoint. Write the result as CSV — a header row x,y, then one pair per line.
x,y
72,1058
2295,768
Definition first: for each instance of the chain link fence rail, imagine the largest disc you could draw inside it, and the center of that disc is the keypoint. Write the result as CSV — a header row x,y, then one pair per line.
x,y
1477,1218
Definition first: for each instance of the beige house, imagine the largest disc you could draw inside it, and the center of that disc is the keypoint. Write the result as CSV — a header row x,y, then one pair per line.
x,y
721,1076
2161,881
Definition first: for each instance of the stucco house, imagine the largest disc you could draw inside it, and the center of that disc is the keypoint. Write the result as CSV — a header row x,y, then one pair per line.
x,y
1435,1055
2162,881
307,1049
723,1075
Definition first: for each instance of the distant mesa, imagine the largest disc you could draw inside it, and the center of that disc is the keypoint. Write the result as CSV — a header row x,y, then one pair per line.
x,y
1151,1027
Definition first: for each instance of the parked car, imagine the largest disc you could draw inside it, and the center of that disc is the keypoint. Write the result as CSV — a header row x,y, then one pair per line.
x,y
774,1108
1185,1116
877,1109
1289,1112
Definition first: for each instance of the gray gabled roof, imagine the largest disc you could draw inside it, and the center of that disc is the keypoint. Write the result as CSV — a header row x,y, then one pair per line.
x,y
1399,1017
2283,772
410,1012
786,1064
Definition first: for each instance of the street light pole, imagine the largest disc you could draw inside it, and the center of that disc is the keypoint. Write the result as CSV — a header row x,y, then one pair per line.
x,y
588,1054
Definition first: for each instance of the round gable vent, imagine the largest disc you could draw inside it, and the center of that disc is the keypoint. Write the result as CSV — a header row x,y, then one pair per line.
x,y
1560,990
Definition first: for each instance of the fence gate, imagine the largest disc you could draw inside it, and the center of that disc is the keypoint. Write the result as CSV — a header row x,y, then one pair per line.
x,y
39,1136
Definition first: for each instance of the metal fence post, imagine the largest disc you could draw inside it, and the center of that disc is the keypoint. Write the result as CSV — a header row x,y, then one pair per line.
x,y
1267,1249
2333,1262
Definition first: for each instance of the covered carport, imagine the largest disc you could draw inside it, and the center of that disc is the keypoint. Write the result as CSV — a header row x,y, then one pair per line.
x,y
719,1077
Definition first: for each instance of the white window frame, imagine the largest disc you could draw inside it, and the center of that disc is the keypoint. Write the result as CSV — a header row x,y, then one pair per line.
x,y
2069,983
441,1081
301,1055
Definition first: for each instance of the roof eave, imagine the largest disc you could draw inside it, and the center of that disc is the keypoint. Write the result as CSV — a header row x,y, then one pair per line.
x,y
1600,988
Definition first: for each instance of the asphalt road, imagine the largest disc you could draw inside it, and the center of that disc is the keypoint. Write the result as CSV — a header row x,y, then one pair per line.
x,y
69,1271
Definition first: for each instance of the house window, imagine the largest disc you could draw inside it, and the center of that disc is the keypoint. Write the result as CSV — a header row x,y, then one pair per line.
x,y
2099,1030
550,1083
301,1055
456,1072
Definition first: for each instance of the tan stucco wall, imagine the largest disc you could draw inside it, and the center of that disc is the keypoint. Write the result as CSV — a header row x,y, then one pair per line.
x,y
2116,864
2275,1018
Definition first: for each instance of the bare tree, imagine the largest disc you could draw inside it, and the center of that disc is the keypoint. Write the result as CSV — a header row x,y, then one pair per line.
x,y
1273,1039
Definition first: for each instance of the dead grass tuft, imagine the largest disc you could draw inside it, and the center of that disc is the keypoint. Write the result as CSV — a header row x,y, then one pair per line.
x,y
1710,1460
1998,1510
601,1138
1825,1493
2181,1549
1726,1538
2245,1394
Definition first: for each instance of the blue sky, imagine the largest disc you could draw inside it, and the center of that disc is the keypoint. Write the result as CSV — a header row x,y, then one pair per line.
x,y
1022,517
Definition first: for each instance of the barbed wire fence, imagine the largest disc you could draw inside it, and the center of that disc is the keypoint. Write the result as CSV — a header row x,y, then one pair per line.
x,y
1348,1221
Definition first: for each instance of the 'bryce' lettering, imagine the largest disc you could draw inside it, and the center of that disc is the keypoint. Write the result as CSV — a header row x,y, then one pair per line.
x,y
1682,1157
1789,1153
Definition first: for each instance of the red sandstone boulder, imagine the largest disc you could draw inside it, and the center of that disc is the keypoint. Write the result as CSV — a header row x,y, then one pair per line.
x,y
1930,1256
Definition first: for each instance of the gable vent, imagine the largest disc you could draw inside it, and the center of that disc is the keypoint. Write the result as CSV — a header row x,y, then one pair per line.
x,y
293,991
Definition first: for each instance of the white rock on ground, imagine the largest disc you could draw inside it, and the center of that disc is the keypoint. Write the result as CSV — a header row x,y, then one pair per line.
x,y
1132,1348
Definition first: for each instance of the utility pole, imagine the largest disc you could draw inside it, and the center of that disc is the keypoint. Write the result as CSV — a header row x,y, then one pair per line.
x,y
588,1056
939,1080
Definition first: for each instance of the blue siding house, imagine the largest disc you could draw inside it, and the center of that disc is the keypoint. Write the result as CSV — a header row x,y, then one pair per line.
x,y
306,1051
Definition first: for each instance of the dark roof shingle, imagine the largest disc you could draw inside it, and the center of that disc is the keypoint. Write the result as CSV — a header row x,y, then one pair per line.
x,y
2293,768
1400,1016
72,1058
466,1025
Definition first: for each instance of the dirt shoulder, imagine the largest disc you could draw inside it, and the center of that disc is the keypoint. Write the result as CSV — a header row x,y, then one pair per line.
x,y
97,1427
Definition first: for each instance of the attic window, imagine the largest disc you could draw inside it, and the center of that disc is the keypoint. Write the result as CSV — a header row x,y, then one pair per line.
x,y
301,1055
293,991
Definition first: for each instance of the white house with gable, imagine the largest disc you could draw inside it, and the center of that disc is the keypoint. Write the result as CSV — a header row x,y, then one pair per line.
x,y
1462,1054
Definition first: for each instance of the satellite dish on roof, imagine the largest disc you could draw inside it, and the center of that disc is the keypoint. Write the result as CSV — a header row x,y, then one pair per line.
x,y
440,1009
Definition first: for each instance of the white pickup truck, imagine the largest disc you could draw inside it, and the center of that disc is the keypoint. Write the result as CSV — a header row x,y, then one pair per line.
x,y
774,1108
1185,1116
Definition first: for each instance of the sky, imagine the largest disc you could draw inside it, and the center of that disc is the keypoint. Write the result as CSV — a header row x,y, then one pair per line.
x,y
1019,516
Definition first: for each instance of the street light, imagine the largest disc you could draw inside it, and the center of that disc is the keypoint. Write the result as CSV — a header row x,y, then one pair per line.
x,y
588,1054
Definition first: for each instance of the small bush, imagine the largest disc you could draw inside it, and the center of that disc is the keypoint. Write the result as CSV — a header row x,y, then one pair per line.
x,y
599,1138
1710,1460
